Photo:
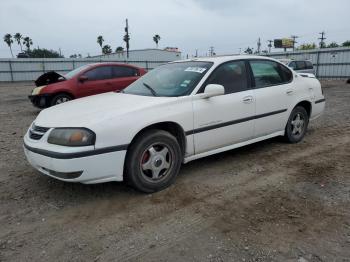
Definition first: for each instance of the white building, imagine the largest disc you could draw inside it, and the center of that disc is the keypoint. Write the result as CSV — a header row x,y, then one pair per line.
x,y
148,54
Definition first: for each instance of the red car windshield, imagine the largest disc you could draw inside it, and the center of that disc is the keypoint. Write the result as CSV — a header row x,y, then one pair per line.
x,y
76,71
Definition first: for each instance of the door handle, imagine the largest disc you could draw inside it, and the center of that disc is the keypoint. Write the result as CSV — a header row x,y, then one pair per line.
x,y
290,92
248,99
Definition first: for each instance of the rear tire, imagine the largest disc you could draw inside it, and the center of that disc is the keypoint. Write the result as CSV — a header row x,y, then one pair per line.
x,y
60,98
297,125
153,161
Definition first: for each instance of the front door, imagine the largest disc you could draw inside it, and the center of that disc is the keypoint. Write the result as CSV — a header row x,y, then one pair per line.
x,y
99,80
228,119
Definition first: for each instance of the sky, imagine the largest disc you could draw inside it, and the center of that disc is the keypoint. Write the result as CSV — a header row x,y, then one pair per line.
x,y
190,25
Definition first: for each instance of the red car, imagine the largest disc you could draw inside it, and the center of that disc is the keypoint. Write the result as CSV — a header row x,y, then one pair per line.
x,y
53,88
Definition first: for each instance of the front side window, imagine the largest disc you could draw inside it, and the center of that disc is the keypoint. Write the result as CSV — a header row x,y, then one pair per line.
x,y
99,73
232,76
124,71
293,65
269,73
170,80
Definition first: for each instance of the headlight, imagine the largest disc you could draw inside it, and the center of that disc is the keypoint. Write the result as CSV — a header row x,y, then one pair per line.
x,y
36,91
72,137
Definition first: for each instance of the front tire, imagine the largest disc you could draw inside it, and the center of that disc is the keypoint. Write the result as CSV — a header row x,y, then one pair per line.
x,y
297,125
60,98
153,161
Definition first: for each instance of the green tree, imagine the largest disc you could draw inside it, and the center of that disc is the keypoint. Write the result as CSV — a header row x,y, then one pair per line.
x,y
156,39
119,49
346,43
27,41
43,53
18,38
106,50
9,41
249,51
307,46
100,41
332,45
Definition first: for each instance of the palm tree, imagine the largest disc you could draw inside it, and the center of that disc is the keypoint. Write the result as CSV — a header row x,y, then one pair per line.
x,y
156,39
18,38
8,40
27,41
100,41
106,50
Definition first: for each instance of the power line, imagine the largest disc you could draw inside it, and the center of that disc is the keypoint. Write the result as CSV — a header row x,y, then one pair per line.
x,y
270,45
127,38
322,38
294,37
211,51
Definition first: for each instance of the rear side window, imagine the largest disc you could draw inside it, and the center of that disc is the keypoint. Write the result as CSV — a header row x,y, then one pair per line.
x,y
309,65
269,73
99,73
124,71
231,75
300,65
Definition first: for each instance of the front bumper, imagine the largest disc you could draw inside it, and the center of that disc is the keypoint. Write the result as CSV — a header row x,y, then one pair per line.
x,y
40,101
83,167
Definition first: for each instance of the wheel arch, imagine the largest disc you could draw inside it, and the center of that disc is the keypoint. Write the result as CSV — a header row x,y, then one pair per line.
x,y
63,92
172,127
307,105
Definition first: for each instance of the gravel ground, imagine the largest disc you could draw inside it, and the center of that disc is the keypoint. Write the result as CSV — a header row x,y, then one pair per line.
x,y
270,201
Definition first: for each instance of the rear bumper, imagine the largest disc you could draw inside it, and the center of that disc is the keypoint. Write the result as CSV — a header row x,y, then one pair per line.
x,y
90,169
40,101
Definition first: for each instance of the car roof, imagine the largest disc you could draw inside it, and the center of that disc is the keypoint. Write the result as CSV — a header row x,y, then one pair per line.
x,y
223,59
110,63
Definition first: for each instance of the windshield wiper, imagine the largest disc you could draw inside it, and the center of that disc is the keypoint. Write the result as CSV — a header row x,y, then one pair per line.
x,y
154,93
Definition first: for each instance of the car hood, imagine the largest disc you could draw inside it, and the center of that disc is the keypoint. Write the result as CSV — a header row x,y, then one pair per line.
x,y
92,110
49,78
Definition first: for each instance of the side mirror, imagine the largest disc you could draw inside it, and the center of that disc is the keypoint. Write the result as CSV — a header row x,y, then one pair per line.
x,y
83,78
212,90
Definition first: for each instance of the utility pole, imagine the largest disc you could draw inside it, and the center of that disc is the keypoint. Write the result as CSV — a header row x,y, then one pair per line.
x,y
322,38
259,45
211,51
270,45
127,38
294,37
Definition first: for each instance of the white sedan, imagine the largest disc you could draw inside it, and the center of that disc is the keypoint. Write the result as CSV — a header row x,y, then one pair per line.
x,y
174,114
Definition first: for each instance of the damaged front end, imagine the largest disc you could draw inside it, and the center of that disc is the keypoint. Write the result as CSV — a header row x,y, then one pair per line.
x,y
39,99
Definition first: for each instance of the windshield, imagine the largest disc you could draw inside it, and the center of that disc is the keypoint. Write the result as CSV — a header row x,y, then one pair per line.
x,y
76,71
175,79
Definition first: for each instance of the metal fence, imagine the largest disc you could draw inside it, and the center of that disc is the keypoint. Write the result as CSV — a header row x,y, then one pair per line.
x,y
329,63
28,69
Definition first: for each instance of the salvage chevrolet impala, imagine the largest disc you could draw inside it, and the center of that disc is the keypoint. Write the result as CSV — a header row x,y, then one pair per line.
x,y
176,113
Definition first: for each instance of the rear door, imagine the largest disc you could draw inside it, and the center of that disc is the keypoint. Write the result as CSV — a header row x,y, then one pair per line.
x,y
99,80
274,94
123,76
227,119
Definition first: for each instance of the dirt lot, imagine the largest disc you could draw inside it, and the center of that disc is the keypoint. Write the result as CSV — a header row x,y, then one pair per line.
x,y
266,202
